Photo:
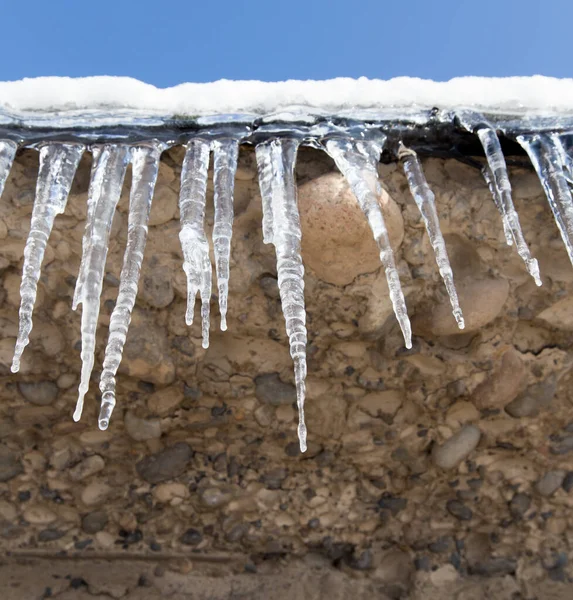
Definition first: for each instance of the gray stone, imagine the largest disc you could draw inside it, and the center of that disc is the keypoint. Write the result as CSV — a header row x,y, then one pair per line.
x,y
50,535
392,503
533,399
459,510
458,447
41,393
94,521
568,482
271,390
10,465
165,465
550,482
273,479
519,504
562,446
270,286
192,537
494,567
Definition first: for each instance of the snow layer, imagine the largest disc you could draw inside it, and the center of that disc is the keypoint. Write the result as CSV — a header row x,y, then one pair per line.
x,y
537,94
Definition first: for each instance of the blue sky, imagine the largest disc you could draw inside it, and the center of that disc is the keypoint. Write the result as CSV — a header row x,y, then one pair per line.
x,y
172,41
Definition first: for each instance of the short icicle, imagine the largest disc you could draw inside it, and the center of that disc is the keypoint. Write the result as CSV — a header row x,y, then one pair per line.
x,y
276,162
145,167
498,181
58,165
196,259
105,189
7,152
425,200
547,158
357,161
225,155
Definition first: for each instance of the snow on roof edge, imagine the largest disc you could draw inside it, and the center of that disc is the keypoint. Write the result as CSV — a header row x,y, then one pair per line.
x,y
537,94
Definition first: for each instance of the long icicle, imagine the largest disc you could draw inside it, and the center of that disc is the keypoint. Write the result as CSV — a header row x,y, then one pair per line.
x,y
276,161
105,189
145,167
357,161
58,165
226,152
498,181
547,160
196,259
425,200
7,152
96,181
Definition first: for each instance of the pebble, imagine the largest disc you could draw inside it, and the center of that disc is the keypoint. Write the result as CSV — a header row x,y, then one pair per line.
x,y
41,393
165,492
94,521
87,467
140,429
273,480
392,503
519,504
337,242
164,465
36,514
166,401
568,482
559,315
495,567
501,387
95,493
562,446
269,389
550,482
50,535
10,465
192,537
456,448
535,398
481,301
459,510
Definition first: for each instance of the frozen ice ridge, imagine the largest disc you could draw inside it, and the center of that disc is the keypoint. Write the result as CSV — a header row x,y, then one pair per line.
x,y
124,135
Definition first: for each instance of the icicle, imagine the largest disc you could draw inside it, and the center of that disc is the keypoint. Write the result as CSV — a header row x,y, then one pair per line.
x,y
110,164
196,260
357,161
426,203
7,152
276,161
145,166
226,152
96,181
488,176
58,164
547,159
498,182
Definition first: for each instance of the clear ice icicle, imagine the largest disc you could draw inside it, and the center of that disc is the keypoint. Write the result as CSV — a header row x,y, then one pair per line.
x,y
95,184
110,164
225,154
547,158
498,181
276,161
425,200
58,164
196,260
357,161
7,152
145,166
